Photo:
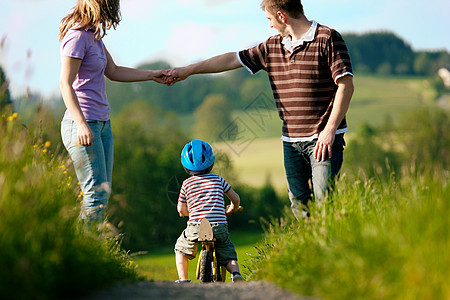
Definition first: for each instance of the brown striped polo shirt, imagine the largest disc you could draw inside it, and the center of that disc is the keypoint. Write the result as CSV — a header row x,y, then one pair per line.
x,y
303,81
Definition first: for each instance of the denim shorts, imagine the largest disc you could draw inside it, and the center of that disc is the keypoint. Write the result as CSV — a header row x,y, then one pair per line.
x,y
187,243
303,171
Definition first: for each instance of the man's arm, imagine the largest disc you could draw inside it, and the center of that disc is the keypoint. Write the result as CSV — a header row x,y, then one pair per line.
x,y
341,103
216,64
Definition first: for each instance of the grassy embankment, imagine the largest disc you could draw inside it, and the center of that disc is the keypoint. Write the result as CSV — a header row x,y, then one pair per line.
x,y
374,240
45,253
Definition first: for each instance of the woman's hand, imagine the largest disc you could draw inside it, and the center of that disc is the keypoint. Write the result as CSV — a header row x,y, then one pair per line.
x,y
85,135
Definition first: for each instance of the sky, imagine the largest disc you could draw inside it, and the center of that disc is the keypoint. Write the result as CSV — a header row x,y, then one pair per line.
x,y
186,31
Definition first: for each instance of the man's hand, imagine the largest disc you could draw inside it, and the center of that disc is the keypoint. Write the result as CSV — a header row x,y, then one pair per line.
x,y
323,149
341,103
176,74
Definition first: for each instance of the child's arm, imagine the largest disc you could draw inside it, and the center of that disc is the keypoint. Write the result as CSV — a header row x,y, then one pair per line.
x,y
182,209
235,201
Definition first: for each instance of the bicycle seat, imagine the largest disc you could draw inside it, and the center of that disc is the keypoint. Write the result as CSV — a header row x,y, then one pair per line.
x,y
205,233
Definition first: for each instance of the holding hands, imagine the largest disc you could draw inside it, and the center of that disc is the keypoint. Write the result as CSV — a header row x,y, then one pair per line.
x,y
172,76
216,64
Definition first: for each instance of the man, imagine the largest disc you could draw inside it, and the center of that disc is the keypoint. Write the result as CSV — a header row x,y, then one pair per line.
x,y
311,76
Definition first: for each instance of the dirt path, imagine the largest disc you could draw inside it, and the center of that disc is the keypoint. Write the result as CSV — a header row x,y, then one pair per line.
x,y
166,290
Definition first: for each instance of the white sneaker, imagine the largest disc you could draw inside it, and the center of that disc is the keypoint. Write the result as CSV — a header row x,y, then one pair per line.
x,y
237,278
183,281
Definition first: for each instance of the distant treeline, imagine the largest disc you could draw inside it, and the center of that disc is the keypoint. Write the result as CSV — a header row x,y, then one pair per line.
x,y
381,53
385,53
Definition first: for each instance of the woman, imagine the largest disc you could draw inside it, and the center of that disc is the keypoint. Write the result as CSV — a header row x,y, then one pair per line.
x,y
85,128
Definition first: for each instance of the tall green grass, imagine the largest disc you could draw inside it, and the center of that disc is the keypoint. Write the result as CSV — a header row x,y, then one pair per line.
x,y
375,239
44,252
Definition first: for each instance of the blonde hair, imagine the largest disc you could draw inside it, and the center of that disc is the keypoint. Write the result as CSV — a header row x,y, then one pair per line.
x,y
100,15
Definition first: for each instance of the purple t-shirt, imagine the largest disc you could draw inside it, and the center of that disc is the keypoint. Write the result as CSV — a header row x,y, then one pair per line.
x,y
89,84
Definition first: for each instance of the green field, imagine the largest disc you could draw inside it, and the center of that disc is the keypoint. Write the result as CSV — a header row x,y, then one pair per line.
x,y
160,264
376,98
257,154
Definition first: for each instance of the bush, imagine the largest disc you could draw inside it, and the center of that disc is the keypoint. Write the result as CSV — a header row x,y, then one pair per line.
x,y
419,140
45,253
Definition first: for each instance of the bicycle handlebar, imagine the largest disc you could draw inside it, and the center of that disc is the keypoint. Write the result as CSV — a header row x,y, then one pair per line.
x,y
240,209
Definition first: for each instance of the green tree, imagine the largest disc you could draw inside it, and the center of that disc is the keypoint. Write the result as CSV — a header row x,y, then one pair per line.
x,y
212,117
251,88
146,158
367,153
376,51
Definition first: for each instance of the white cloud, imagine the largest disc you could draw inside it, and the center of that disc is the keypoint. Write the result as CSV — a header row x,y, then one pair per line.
x,y
191,40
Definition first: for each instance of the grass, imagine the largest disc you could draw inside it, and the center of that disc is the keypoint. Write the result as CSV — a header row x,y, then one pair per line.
x,y
377,98
260,162
45,253
375,239
160,265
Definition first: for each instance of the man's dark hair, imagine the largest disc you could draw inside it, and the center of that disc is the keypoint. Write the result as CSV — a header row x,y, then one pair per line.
x,y
293,8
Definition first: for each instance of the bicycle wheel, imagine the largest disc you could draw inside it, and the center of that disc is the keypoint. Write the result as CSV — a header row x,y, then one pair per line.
x,y
217,271
206,266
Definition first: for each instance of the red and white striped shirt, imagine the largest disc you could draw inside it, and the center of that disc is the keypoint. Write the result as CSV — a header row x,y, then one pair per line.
x,y
204,197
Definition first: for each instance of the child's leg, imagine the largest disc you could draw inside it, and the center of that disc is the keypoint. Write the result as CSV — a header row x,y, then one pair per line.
x,y
232,266
182,266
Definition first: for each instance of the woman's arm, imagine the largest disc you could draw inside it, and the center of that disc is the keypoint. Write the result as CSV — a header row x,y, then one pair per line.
x,y
69,70
124,74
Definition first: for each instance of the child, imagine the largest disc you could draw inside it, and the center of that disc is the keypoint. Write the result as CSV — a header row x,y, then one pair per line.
x,y
201,196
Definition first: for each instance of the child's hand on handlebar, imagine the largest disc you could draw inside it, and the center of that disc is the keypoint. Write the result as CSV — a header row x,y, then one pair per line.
x,y
231,208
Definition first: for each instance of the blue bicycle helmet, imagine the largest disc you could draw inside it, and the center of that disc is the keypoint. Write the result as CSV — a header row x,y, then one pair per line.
x,y
197,156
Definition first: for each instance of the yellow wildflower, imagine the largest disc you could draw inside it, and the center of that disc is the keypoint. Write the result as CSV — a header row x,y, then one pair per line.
x,y
47,144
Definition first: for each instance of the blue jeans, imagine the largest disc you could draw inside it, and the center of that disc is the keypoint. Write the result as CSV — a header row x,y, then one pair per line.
x,y
303,171
93,166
